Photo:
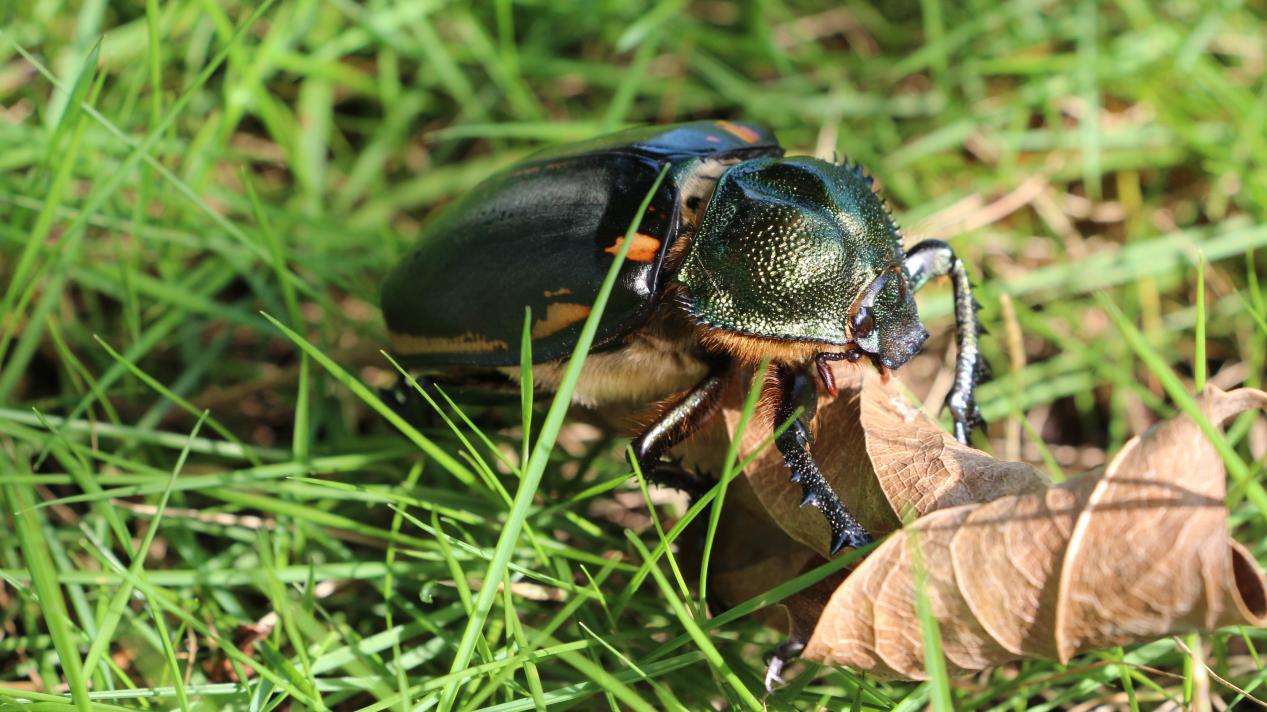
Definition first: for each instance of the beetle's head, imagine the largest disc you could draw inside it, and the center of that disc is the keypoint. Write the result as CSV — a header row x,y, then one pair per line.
x,y
802,251
884,322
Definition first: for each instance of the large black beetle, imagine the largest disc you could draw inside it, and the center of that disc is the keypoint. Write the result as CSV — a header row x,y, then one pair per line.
x,y
742,254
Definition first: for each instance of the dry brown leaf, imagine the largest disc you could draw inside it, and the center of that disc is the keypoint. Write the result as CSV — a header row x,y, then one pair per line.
x,y
752,555
765,537
904,463
1132,554
1014,568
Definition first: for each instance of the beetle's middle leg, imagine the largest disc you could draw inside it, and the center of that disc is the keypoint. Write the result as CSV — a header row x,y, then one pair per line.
x,y
934,258
799,389
676,424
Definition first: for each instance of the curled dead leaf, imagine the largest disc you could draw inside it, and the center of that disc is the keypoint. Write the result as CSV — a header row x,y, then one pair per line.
x,y
882,456
1013,566
1134,553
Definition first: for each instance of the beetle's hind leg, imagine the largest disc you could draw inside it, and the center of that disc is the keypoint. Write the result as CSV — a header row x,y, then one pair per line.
x,y
934,258
786,652
677,423
798,389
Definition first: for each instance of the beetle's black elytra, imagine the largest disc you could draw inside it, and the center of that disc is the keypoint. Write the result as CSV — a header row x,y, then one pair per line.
x,y
743,254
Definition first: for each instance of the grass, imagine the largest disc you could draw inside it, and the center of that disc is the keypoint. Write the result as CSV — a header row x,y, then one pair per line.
x,y
204,506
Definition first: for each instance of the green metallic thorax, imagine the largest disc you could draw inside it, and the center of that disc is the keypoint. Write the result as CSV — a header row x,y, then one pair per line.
x,y
785,248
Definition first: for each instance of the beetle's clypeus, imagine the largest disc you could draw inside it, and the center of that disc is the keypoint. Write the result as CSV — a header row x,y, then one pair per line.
x,y
742,254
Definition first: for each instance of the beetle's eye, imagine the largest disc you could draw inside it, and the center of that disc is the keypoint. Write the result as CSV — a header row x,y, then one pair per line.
x,y
862,324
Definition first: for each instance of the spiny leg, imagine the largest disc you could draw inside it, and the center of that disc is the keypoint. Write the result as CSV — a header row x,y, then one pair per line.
x,y
798,389
934,258
676,424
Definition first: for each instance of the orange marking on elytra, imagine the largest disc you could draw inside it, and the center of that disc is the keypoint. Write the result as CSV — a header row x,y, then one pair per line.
x,y
470,342
560,292
643,249
744,133
558,316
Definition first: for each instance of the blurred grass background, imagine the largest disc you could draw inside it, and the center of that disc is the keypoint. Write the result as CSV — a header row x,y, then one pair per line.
x,y
223,522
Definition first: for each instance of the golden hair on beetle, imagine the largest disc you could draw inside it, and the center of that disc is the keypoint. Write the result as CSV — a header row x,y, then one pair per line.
x,y
749,350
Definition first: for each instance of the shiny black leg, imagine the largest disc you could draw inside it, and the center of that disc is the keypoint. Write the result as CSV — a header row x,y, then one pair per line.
x,y
677,424
823,363
798,389
934,258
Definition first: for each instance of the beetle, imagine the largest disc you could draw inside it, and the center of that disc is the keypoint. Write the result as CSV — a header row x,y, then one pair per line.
x,y
742,254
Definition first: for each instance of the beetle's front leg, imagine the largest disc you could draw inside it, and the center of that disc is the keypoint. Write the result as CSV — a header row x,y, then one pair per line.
x,y
934,258
797,388
678,422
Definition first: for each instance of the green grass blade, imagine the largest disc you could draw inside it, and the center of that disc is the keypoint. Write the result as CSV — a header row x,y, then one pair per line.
x,y
934,655
1236,467
119,600
525,385
44,577
442,458
697,634
729,471
536,464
